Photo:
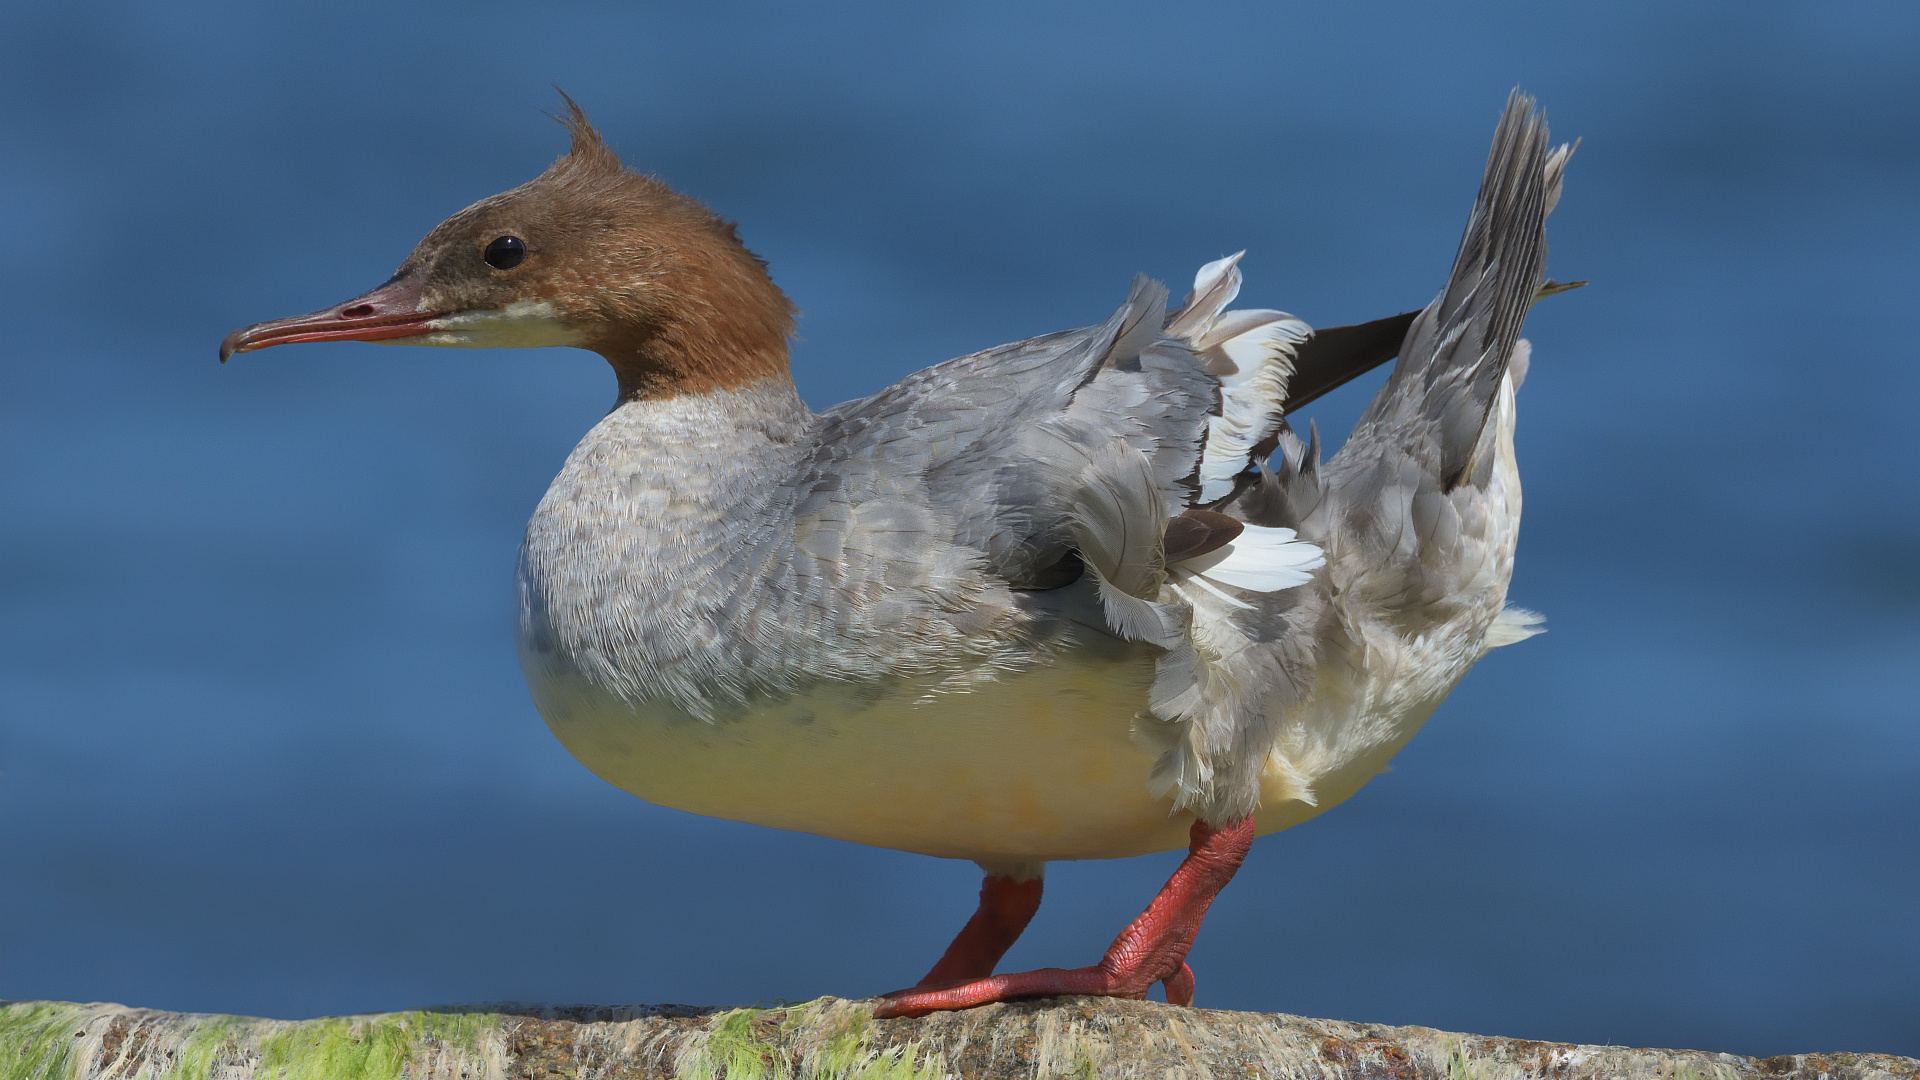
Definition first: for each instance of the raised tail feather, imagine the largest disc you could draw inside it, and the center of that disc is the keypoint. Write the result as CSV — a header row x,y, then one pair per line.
x,y
1457,349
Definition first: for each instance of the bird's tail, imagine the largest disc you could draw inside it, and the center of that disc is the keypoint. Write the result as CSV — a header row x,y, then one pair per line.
x,y
1457,349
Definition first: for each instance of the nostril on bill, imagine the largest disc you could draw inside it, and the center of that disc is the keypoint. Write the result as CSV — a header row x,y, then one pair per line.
x,y
357,311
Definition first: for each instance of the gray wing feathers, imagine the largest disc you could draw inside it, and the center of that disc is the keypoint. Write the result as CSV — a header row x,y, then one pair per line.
x,y
960,436
1153,395
1117,520
1114,508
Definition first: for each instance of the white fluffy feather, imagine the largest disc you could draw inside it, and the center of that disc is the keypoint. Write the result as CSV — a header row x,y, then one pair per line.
x,y
1514,624
1258,560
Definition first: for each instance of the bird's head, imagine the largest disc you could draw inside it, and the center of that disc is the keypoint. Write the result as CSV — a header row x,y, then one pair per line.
x,y
588,254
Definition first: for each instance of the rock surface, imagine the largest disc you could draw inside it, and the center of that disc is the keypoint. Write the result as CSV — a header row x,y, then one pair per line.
x,y
828,1039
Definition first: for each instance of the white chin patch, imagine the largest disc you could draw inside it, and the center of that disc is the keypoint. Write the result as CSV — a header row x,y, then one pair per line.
x,y
525,324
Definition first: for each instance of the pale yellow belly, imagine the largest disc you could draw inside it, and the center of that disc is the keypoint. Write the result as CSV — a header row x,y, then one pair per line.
x,y
1037,766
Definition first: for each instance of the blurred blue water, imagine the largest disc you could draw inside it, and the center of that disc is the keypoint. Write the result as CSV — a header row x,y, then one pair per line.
x,y
263,746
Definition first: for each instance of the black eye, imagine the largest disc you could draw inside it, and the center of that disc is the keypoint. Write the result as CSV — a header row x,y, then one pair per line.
x,y
505,252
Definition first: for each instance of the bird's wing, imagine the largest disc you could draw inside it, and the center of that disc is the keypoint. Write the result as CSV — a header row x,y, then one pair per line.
x,y
1017,450
924,513
975,440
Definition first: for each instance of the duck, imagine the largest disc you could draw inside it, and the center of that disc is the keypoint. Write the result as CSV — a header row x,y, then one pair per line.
x,y
1083,596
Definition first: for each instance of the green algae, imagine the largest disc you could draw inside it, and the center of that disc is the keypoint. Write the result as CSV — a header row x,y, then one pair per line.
x,y
1457,1065
846,1055
337,1048
735,1051
462,1031
43,1041
53,1041
210,1041
367,1047
37,1039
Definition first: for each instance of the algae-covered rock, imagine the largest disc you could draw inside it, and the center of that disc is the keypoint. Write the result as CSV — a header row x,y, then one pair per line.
x,y
828,1039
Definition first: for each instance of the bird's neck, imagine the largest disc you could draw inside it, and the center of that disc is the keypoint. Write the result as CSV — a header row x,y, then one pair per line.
x,y
696,360
710,320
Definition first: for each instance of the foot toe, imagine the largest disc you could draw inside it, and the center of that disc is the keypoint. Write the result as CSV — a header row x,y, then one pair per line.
x,y
1179,986
1046,982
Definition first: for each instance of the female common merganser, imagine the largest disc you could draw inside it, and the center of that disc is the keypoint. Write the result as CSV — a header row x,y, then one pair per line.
x,y
1047,601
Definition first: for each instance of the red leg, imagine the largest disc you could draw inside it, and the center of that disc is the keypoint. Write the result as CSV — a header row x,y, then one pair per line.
x,y
1153,948
1006,906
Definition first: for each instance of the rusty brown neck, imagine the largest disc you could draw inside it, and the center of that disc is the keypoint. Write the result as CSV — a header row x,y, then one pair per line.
x,y
710,319
682,361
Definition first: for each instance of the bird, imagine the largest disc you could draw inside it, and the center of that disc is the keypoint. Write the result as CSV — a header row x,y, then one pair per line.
x,y
1087,595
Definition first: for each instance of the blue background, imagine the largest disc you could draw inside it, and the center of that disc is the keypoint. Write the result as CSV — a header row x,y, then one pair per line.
x,y
263,744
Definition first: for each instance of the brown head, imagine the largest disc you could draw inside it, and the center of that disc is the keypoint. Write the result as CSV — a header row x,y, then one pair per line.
x,y
588,254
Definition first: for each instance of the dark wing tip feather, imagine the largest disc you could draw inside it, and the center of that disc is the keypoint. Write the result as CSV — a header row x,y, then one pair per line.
x,y
1336,355
1196,532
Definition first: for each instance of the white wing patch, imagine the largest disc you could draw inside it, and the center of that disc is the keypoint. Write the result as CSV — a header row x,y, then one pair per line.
x,y
1251,352
1258,560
